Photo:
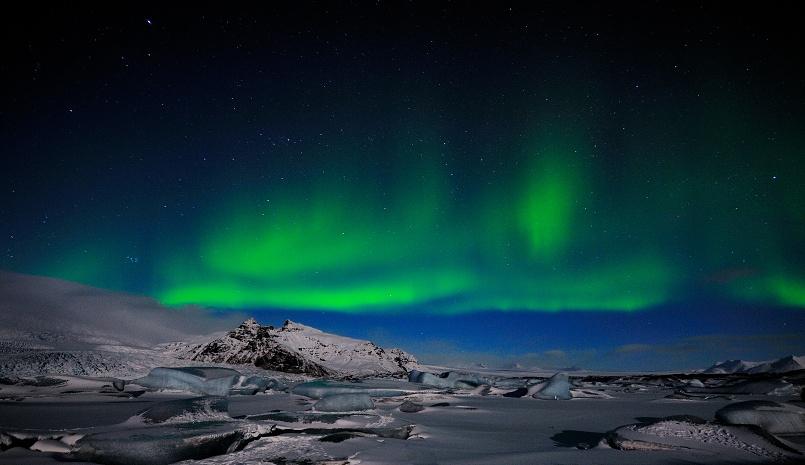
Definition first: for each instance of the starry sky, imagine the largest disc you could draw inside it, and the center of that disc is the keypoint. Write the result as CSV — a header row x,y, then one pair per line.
x,y
554,183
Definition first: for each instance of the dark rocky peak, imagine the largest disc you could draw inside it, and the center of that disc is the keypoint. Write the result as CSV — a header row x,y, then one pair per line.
x,y
249,329
291,326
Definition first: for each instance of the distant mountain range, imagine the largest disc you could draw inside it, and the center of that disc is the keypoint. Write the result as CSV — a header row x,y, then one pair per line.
x,y
296,348
50,325
780,365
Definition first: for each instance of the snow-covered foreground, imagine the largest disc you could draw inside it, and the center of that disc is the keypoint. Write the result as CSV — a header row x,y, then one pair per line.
x,y
502,421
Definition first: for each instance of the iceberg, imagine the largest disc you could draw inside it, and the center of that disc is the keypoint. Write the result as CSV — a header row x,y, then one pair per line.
x,y
774,417
345,403
557,387
449,379
695,383
210,381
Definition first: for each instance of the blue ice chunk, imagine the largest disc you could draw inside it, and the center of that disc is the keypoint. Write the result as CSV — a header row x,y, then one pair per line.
x,y
774,417
201,380
345,403
556,387
449,379
211,381
262,383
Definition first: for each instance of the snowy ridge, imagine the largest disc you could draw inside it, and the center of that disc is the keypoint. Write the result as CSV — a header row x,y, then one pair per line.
x,y
50,313
296,348
780,365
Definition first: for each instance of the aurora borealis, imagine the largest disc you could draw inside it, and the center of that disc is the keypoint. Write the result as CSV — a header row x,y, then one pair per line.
x,y
385,161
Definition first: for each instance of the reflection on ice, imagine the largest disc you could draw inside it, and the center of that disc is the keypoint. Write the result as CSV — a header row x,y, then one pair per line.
x,y
373,387
345,403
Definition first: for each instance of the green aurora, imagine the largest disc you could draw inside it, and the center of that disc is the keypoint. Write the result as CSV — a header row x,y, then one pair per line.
x,y
534,167
544,235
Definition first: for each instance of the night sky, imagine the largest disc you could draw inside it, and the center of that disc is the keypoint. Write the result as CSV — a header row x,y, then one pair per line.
x,y
557,184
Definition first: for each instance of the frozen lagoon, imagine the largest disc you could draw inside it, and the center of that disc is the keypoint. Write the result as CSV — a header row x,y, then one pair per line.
x,y
457,426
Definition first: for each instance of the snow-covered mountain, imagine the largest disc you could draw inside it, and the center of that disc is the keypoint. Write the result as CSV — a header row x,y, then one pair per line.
x,y
780,365
296,348
52,326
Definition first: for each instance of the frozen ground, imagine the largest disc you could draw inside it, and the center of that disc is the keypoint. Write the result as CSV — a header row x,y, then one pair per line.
x,y
46,418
